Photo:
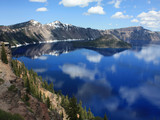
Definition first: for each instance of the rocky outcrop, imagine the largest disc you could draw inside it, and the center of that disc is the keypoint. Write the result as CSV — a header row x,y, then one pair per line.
x,y
136,35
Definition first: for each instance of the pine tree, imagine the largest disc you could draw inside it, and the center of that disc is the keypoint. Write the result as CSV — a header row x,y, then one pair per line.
x,y
48,102
85,113
105,117
81,111
28,86
51,87
4,55
40,96
90,114
73,109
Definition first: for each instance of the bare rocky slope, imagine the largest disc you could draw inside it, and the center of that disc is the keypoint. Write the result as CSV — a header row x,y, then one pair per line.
x,y
12,93
34,32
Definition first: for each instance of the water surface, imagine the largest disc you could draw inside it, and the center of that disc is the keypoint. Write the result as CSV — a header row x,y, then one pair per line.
x,y
125,84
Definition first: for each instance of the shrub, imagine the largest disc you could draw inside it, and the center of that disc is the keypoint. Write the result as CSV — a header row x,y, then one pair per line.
x,y
4,55
1,81
12,88
8,116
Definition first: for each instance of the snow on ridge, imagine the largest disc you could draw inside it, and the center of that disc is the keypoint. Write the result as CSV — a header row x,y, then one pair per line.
x,y
58,24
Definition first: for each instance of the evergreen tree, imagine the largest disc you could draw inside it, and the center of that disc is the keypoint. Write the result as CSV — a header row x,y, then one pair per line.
x,y
51,87
48,102
40,96
90,114
28,86
81,111
85,113
105,117
4,55
73,109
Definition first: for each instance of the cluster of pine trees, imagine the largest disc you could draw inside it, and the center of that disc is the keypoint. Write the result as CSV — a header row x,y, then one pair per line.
x,y
4,54
75,111
32,82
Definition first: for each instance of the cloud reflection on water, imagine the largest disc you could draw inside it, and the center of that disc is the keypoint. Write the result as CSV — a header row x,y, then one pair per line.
x,y
149,91
149,54
95,58
79,71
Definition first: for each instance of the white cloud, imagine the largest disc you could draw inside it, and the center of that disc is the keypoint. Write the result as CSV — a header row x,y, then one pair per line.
x,y
135,21
116,3
149,54
93,58
129,94
38,0
95,10
101,88
149,91
40,70
41,57
113,68
150,19
112,104
42,9
81,3
120,15
79,71
149,2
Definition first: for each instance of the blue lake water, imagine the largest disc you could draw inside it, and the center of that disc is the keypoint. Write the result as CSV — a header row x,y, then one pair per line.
x,y
125,84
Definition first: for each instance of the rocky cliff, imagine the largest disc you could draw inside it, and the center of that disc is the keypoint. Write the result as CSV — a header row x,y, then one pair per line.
x,y
136,35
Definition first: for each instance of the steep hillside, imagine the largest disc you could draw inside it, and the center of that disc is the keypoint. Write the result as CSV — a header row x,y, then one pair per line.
x,y
34,32
136,35
15,98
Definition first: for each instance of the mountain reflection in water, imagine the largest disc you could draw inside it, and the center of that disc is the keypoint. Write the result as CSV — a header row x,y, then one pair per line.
x,y
125,84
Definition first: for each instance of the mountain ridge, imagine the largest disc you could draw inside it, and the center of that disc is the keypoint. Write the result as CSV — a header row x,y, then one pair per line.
x,y
32,31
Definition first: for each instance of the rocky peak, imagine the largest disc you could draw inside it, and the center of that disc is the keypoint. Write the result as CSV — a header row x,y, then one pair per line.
x,y
58,24
26,24
33,22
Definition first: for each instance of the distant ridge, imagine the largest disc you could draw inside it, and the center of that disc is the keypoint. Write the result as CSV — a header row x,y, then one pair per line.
x,y
32,31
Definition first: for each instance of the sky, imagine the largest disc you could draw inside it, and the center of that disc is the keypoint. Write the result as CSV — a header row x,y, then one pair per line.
x,y
97,14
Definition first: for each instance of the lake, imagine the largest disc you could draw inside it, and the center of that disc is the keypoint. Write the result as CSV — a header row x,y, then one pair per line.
x,y
124,84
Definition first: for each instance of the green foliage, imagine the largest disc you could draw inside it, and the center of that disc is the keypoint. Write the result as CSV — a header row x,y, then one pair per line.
x,y
31,79
1,81
4,55
105,117
90,114
47,86
8,116
98,118
12,88
27,86
107,41
48,102
40,96
26,99
73,109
